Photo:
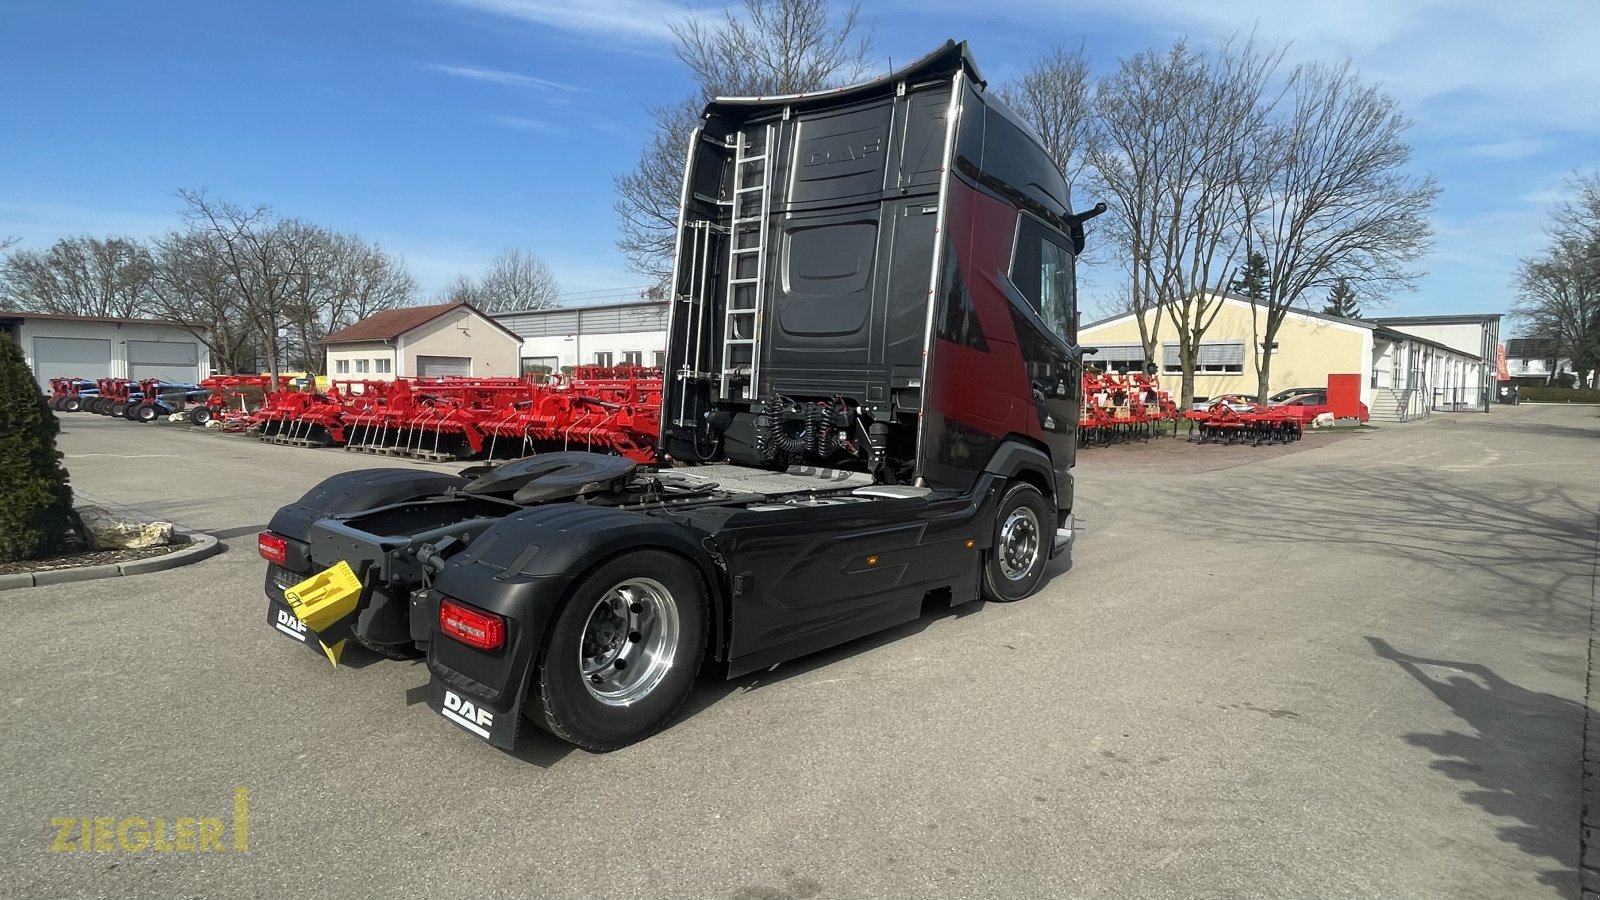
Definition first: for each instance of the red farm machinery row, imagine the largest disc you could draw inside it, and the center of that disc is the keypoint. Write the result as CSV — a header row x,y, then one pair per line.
x,y
595,408
1119,408
1237,420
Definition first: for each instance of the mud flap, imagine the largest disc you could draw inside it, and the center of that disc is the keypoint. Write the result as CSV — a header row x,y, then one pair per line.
x,y
320,610
498,727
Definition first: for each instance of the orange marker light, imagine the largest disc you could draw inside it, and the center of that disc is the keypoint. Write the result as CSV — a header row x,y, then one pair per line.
x,y
872,560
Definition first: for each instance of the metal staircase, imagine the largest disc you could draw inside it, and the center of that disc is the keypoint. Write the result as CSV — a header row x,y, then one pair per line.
x,y
751,206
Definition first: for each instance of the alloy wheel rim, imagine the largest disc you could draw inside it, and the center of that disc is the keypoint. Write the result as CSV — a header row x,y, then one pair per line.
x,y
1019,544
629,642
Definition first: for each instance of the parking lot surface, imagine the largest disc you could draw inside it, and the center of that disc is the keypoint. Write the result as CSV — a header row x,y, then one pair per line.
x,y
1350,668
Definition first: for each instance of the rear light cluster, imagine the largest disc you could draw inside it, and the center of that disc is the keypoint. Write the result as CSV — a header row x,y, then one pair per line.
x,y
274,549
470,626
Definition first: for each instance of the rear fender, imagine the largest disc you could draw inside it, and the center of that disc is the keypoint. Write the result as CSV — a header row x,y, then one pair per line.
x,y
522,569
355,491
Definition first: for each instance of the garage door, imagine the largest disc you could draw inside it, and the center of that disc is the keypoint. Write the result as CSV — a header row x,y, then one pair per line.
x,y
444,365
167,360
55,357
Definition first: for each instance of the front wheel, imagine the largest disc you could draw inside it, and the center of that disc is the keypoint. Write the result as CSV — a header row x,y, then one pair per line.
x,y
1023,533
144,412
69,404
622,653
200,415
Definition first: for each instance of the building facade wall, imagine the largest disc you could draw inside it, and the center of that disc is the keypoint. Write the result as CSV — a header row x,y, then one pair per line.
x,y
587,349
349,360
116,336
1308,350
464,333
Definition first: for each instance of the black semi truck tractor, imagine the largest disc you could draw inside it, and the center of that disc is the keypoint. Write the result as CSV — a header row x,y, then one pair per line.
x,y
872,398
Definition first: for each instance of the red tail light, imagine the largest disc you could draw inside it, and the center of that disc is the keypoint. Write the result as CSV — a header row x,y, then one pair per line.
x,y
472,627
274,549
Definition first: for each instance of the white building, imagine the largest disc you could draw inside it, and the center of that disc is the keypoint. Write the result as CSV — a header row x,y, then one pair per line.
x,y
1460,385
422,341
615,334
93,347
1534,362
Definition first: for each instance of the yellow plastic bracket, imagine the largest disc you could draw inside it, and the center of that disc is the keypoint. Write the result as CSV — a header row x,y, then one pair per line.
x,y
326,597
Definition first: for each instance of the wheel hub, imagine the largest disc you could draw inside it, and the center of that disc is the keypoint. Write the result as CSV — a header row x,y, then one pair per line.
x,y
629,642
1019,543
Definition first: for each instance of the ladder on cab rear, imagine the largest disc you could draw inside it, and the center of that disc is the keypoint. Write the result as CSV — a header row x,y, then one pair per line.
x,y
751,207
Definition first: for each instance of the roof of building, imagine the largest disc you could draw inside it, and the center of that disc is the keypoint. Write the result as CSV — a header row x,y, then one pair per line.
x,y
1531,348
389,324
601,318
1455,319
1394,336
18,316
1240,298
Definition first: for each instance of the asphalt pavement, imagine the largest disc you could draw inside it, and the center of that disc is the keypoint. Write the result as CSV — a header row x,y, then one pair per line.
x,y
1352,668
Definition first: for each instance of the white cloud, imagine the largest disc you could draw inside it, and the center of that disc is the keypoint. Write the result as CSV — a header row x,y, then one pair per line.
x,y
498,76
643,21
523,123
1508,150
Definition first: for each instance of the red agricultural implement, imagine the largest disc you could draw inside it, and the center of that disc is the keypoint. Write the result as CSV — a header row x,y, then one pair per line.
x,y
443,419
1233,420
228,398
1119,408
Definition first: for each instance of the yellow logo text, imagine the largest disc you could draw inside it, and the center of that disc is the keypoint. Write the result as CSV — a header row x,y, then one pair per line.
x,y
136,834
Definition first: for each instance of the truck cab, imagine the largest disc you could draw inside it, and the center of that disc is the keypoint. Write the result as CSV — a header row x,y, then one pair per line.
x,y
871,401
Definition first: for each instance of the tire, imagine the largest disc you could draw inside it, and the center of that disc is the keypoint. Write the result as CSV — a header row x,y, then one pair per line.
x,y
117,410
199,416
1024,528
70,404
131,411
144,412
668,617
89,404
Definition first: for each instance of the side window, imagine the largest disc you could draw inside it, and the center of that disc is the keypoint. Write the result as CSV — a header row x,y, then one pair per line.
x,y
1041,270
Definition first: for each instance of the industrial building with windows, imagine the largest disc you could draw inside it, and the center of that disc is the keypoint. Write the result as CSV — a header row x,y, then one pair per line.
x,y
94,347
616,334
1409,366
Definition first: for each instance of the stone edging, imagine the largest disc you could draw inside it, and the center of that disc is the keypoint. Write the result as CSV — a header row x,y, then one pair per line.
x,y
200,546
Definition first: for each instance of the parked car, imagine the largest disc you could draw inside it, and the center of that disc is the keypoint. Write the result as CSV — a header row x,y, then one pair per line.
x,y
1236,402
1314,403
1283,395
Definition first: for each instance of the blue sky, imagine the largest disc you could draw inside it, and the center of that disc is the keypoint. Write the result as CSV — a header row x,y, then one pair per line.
x,y
448,129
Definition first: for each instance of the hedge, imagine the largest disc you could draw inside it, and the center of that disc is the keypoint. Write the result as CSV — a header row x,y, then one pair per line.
x,y
1560,395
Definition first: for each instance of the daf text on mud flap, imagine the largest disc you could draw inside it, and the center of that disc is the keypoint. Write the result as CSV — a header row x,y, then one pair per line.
x,y
467,714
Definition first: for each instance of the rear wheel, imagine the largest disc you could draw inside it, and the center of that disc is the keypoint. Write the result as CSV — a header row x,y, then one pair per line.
x,y
1023,532
69,404
200,415
622,653
144,412
119,409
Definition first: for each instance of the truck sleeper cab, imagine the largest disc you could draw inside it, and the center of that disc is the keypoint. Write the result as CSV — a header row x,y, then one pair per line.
x,y
872,399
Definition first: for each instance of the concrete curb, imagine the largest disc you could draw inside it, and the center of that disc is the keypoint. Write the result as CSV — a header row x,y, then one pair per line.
x,y
200,546
1589,824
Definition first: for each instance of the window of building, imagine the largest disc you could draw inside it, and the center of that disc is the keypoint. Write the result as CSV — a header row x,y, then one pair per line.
x,y
1214,358
659,359
1119,358
539,367
363,366
1041,270
602,358
382,366
341,367
633,357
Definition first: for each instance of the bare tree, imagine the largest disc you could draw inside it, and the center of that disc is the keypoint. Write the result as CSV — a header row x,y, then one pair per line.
x,y
773,47
1333,203
1173,142
1558,299
334,280
517,280
81,276
1055,96
194,288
